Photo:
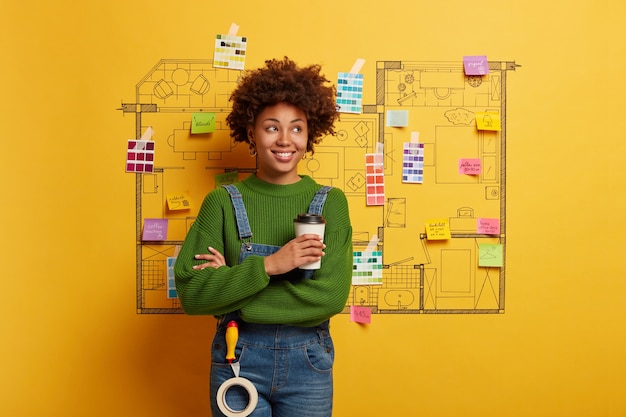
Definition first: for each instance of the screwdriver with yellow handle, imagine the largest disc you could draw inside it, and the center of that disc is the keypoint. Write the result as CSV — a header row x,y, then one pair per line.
x,y
232,334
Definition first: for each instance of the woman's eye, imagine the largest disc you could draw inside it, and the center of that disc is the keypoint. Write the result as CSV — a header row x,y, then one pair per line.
x,y
297,129
271,129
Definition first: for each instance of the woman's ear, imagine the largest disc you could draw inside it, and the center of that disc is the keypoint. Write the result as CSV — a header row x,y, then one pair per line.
x,y
251,144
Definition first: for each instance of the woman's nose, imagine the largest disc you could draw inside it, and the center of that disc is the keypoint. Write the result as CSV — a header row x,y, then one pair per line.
x,y
284,138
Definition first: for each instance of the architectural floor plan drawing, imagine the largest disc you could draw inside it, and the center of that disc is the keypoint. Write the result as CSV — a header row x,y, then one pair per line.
x,y
419,275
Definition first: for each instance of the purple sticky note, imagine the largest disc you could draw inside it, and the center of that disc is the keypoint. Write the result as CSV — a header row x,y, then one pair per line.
x,y
360,314
488,226
154,229
476,65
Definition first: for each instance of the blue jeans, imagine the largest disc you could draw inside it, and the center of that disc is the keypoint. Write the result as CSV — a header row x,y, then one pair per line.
x,y
290,366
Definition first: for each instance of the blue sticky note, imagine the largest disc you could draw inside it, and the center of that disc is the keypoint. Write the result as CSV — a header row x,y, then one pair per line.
x,y
397,118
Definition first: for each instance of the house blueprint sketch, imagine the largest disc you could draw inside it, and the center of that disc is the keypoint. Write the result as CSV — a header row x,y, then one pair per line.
x,y
419,276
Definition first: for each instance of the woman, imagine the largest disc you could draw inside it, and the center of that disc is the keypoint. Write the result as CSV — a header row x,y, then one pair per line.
x,y
251,271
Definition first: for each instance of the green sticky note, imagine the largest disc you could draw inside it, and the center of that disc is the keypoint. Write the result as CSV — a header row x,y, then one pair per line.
x,y
202,123
490,255
226,178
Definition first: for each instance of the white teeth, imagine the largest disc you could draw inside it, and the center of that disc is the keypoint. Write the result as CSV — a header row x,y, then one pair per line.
x,y
283,154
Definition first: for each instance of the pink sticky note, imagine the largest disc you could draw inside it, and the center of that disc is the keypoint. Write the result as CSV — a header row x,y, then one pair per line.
x,y
360,314
154,229
470,166
488,226
476,65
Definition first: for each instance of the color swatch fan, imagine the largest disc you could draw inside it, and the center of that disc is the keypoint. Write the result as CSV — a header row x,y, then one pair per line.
x,y
140,153
230,50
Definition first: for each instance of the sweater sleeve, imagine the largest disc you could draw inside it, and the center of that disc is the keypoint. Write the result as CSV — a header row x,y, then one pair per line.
x,y
308,302
214,291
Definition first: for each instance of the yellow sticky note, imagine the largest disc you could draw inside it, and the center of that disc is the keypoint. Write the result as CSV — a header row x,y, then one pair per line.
x,y
437,229
488,120
178,201
202,123
490,255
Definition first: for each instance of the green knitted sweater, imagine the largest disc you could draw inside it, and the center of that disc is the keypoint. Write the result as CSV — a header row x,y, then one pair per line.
x,y
246,287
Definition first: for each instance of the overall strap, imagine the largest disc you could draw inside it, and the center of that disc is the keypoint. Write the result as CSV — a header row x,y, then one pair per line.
x,y
318,201
243,226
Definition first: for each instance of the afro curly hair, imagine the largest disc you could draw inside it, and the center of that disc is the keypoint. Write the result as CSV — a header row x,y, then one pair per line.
x,y
282,81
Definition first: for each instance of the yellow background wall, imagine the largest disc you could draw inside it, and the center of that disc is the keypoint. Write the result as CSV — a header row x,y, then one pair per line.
x,y
72,343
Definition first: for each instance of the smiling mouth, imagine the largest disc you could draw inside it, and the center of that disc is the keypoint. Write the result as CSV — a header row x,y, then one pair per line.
x,y
284,154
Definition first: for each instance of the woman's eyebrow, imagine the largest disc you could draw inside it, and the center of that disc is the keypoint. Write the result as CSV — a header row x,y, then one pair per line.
x,y
273,119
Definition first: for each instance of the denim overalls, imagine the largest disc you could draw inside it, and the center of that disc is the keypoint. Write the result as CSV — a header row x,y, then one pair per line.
x,y
290,366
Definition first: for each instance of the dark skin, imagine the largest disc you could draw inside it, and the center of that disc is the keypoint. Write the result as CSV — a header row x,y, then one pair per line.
x,y
295,253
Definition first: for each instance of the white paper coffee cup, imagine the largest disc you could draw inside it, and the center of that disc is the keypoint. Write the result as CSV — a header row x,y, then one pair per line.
x,y
310,224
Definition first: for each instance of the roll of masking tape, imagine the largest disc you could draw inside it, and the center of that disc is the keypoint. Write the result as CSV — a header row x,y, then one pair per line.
x,y
252,393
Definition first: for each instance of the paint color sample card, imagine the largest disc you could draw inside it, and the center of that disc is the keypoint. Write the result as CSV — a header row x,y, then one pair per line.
x,y
413,162
230,51
375,179
171,281
140,156
367,268
350,92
